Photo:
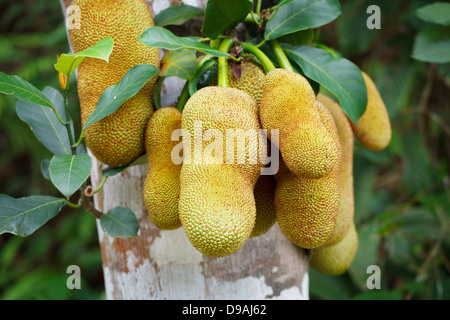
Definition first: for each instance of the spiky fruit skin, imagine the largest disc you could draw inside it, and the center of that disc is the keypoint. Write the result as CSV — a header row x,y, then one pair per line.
x,y
119,138
265,207
217,206
162,185
347,203
307,208
336,259
374,126
251,80
288,104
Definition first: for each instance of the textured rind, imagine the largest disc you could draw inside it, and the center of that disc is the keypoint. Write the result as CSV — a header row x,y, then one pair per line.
x,y
162,185
288,104
307,208
265,207
347,204
217,205
251,80
336,259
374,126
119,138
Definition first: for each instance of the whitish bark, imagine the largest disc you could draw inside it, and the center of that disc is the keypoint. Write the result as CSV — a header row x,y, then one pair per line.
x,y
164,265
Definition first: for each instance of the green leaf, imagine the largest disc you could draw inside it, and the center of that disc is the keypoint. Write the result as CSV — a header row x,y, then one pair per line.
x,y
221,15
157,92
180,63
44,168
340,76
110,171
284,2
203,76
438,13
114,96
68,172
23,216
301,15
44,123
176,15
163,38
352,33
299,38
23,90
67,63
120,222
432,45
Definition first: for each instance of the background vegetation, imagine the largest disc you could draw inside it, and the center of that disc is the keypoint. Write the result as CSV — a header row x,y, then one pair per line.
x,y
402,193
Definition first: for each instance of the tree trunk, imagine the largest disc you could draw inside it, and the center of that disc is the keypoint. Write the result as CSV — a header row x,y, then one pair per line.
x,y
161,264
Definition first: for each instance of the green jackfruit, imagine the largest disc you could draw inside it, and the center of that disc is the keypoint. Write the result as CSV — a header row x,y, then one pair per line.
x,y
307,208
374,127
347,203
119,138
251,80
288,104
162,184
217,206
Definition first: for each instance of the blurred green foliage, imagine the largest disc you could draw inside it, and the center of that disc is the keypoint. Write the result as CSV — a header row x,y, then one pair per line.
x,y
31,35
402,194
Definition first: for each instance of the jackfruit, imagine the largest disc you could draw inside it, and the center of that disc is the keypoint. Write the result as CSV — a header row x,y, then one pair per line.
x,y
162,184
336,259
117,139
265,207
251,80
307,208
374,127
288,104
217,206
347,203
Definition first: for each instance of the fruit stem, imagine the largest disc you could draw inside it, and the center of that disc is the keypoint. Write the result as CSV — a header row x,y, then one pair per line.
x,y
184,97
68,123
282,59
215,43
258,7
265,61
222,70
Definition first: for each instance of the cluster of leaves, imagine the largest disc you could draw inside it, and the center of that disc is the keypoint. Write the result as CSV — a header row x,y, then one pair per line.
x,y
70,166
35,267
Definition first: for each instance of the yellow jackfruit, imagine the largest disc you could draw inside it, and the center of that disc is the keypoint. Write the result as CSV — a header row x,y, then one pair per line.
x,y
251,81
288,104
336,259
374,127
119,138
347,204
265,207
307,208
217,206
162,184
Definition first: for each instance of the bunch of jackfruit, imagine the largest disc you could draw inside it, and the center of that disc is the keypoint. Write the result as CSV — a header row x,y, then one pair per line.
x,y
222,204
